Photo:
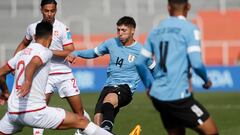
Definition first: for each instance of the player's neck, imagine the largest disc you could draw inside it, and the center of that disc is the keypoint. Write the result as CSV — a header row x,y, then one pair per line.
x,y
129,42
178,14
43,42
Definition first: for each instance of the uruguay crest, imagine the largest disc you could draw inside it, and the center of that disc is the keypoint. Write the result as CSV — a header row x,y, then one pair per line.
x,y
131,58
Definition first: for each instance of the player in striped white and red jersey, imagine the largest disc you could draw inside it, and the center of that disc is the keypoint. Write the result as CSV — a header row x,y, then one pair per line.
x,y
60,79
26,104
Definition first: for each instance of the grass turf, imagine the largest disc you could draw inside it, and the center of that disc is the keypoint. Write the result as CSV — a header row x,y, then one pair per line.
x,y
224,108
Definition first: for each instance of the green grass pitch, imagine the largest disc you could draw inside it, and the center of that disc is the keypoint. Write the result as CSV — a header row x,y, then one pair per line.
x,y
224,108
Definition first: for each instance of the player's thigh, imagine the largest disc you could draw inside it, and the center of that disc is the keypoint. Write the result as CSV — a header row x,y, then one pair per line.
x,y
9,126
124,95
111,98
73,120
208,127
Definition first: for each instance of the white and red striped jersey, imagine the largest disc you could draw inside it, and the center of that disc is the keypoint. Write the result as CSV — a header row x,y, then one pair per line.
x,y
61,37
35,99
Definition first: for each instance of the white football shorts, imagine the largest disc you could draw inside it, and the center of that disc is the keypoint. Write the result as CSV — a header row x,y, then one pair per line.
x,y
45,118
64,84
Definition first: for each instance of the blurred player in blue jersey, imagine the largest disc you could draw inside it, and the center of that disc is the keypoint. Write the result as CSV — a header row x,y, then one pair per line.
x,y
4,94
175,43
122,76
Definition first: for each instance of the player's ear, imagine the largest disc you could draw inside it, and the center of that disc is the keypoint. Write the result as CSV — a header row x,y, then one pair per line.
x,y
169,8
133,30
188,6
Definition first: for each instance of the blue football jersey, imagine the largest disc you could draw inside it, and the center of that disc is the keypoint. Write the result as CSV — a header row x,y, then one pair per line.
x,y
121,68
175,44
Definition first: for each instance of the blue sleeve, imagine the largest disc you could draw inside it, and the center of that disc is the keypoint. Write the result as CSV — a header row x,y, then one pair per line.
x,y
194,53
142,62
197,65
93,53
87,54
143,71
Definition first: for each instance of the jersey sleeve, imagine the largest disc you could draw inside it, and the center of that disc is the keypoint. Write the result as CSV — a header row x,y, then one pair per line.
x,y
45,56
194,53
102,48
66,37
29,33
193,40
13,61
147,49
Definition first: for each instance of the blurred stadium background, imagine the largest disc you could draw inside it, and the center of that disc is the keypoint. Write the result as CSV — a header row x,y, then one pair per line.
x,y
93,21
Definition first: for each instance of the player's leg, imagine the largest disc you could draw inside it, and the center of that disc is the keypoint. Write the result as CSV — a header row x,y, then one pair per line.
x,y
8,125
176,131
117,97
75,121
109,103
208,127
68,89
76,104
48,93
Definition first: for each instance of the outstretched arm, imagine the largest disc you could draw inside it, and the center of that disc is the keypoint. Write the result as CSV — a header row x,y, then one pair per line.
x,y
87,54
65,52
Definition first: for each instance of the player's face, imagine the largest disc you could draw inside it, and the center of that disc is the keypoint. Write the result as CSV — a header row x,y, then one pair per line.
x,y
49,12
125,33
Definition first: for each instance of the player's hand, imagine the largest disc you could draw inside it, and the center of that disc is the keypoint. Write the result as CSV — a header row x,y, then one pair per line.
x,y
207,85
25,89
4,97
70,58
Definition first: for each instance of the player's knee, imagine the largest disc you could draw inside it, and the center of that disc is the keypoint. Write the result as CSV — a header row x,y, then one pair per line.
x,y
107,107
111,98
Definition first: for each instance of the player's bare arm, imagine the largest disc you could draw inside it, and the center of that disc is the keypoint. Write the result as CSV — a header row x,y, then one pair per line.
x,y
5,94
70,58
65,52
25,42
31,68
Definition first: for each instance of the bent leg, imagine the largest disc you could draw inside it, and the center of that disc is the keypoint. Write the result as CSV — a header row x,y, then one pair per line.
x,y
208,127
176,131
74,121
76,104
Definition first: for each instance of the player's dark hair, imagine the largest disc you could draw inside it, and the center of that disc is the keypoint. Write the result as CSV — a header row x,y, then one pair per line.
x,y
177,1
45,2
126,20
44,29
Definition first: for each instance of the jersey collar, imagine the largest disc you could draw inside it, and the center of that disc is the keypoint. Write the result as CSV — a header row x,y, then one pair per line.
x,y
132,44
181,17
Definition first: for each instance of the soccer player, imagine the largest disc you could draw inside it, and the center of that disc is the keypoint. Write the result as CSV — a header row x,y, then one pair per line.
x,y
175,43
122,76
4,90
27,104
60,78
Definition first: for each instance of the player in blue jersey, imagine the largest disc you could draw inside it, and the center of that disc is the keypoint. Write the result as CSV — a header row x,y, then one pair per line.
x,y
122,76
175,43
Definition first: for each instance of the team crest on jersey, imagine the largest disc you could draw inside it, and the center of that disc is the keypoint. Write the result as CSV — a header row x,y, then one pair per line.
x,y
69,36
56,33
131,58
